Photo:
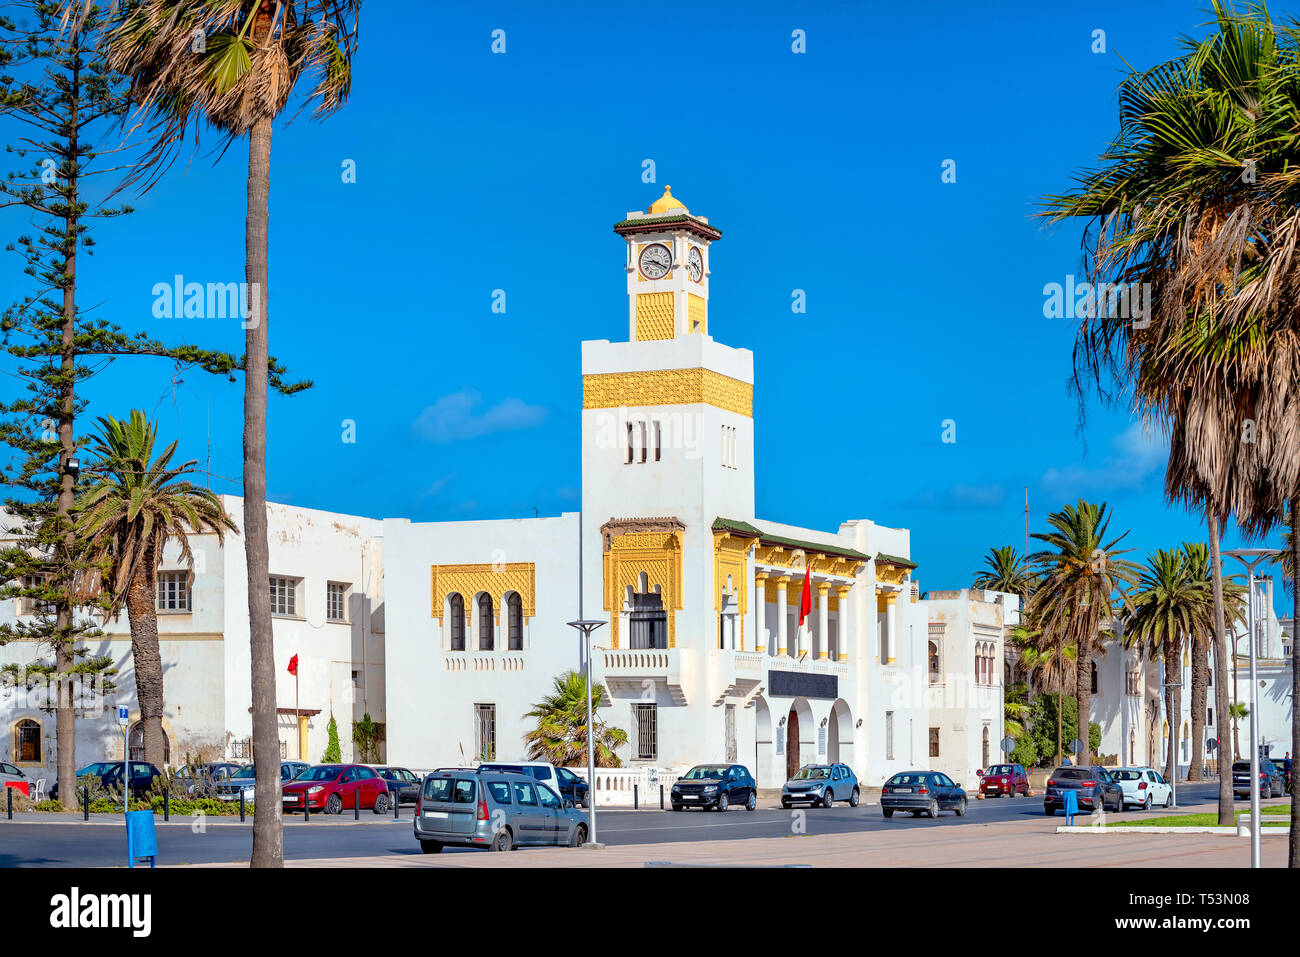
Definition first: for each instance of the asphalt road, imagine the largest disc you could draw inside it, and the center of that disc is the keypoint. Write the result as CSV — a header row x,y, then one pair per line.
x,y
33,842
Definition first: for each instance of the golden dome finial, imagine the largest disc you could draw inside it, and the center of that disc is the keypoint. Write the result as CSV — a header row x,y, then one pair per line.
x,y
666,202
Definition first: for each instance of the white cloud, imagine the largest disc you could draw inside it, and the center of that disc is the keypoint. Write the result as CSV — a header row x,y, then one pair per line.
x,y
456,417
1138,457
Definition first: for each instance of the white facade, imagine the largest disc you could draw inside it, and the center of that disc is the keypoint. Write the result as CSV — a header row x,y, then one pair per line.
x,y
205,647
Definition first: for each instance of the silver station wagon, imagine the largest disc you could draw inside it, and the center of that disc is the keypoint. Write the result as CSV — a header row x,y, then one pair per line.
x,y
496,810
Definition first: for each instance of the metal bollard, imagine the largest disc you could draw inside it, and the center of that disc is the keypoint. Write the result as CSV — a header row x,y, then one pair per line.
x,y
167,805
85,815
241,807
9,798
636,804
306,807
356,805
397,802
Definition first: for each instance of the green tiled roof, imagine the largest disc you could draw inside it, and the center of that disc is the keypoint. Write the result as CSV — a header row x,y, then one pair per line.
x,y
744,528
884,559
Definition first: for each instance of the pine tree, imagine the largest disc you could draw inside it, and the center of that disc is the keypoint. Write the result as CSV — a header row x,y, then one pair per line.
x,y
333,753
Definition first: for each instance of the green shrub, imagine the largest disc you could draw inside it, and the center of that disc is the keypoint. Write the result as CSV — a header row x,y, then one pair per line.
x,y
333,752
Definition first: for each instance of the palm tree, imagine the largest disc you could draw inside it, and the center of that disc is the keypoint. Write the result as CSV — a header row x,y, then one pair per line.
x,y
1168,607
1079,578
1015,709
132,509
1196,198
1050,664
239,79
1202,642
1006,572
1238,711
561,733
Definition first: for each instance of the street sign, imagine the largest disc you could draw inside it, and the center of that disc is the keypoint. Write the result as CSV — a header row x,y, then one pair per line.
x,y
1008,744
123,715
1076,746
1211,744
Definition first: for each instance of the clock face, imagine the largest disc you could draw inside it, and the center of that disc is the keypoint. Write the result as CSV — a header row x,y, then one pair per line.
x,y
656,260
695,264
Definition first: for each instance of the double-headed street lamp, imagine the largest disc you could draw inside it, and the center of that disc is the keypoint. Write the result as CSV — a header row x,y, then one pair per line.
x,y
587,626
1250,557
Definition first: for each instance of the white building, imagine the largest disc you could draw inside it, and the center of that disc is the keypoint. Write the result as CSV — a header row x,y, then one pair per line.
x,y
1129,705
318,561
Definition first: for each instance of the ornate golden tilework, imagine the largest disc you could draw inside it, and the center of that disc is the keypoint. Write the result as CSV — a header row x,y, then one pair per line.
x,y
497,580
610,390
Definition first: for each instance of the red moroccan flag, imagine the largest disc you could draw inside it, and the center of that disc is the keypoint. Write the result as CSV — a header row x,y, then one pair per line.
x,y
293,666
805,600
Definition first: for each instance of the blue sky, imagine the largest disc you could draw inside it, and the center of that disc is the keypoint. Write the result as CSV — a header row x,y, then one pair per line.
x,y
479,171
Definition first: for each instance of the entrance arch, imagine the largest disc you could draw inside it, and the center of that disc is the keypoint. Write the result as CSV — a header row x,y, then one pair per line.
x,y
799,731
763,742
839,733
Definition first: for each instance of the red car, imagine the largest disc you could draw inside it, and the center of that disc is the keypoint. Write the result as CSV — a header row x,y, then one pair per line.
x,y
1005,779
335,788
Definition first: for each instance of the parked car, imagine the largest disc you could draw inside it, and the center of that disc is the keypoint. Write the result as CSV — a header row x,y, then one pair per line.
x,y
822,784
403,785
922,792
143,774
203,780
244,781
1271,781
561,780
1005,780
715,787
12,776
1097,790
95,770
334,787
496,810
1144,788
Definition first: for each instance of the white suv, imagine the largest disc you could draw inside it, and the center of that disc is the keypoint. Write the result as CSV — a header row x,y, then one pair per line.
x,y
562,781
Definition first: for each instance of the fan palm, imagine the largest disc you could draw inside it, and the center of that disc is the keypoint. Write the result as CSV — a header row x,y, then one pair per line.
x,y
1080,576
1197,198
1238,711
1049,663
1007,572
133,508
234,64
561,733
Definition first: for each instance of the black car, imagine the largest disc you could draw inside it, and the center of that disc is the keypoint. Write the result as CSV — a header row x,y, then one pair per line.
x,y
1272,782
715,787
1096,788
143,774
403,785
922,792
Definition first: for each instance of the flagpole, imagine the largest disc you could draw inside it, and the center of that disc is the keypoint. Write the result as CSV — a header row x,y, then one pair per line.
x,y
297,712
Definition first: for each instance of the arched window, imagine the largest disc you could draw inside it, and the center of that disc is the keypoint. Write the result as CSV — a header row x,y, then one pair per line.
x,y
27,742
648,621
934,661
484,622
515,621
137,744
456,611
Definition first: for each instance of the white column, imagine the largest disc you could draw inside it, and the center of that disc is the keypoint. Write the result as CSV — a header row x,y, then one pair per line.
x,y
782,619
760,612
845,623
823,619
891,625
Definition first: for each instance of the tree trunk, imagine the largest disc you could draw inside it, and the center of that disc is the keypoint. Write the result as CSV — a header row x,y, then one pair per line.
x,y
268,837
1200,674
1083,695
1173,705
65,721
146,658
1060,711
1293,855
1227,817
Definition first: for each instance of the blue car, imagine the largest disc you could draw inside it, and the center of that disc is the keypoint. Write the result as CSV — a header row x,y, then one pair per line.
x,y
822,784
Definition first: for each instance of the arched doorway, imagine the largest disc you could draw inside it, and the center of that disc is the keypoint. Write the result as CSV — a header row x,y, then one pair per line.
x,y
137,743
791,744
762,743
839,733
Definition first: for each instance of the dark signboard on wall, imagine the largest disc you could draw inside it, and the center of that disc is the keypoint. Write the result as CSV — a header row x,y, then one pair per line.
x,y
798,684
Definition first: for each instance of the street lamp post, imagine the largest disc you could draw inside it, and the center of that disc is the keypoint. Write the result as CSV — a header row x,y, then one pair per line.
x,y
1251,557
587,626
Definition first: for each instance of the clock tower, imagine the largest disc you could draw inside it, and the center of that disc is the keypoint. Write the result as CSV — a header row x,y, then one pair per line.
x,y
667,270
